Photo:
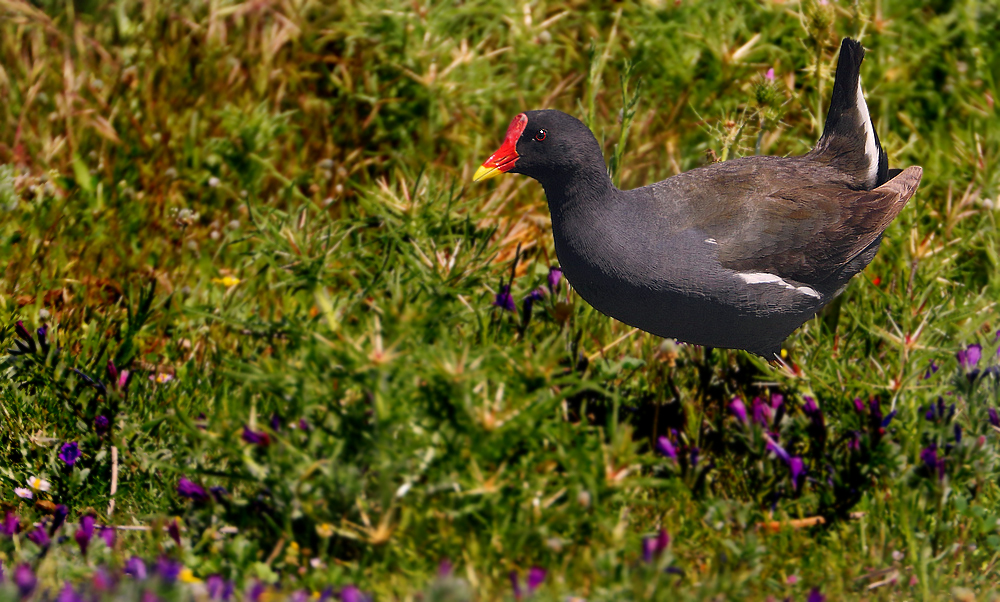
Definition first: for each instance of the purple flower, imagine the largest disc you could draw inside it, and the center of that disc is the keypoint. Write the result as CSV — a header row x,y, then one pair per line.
x,y
108,534
84,532
29,342
256,438
300,595
39,537
738,409
928,456
68,594
854,444
515,584
931,369
10,525
445,569
102,425
888,418
43,339
859,405
174,531
938,410
58,518
168,569
969,357
932,462
652,547
70,453
218,588
761,412
22,331
119,379
811,409
994,417
648,549
665,447
958,433
25,578
135,567
191,490
815,596
352,594
769,76
103,581
798,470
779,451
257,591
875,412
529,301
536,576
213,586
218,492
504,300
161,377
777,399
555,275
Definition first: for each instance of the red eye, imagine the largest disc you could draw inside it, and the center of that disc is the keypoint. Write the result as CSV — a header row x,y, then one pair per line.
x,y
540,135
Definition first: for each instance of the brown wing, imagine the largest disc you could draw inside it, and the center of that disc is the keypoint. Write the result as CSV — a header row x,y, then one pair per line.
x,y
807,233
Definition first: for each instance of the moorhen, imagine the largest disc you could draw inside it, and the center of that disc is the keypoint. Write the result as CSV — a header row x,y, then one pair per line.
x,y
737,254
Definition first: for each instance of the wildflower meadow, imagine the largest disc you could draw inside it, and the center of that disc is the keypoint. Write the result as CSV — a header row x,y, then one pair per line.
x,y
264,339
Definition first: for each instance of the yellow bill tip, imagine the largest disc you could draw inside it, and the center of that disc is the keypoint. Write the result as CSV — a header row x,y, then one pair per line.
x,y
485,173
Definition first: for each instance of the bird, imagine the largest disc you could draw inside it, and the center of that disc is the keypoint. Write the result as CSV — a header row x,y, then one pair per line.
x,y
737,254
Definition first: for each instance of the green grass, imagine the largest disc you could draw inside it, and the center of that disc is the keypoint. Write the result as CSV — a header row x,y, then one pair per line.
x,y
322,155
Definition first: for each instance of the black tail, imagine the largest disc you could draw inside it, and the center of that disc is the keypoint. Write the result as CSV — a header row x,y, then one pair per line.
x,y
849,141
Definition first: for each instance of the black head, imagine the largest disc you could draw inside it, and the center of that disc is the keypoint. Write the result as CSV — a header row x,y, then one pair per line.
x,y
547,145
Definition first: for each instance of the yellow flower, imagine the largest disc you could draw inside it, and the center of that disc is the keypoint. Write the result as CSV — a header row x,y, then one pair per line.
x,y
324,530
226,281
38,484
188,577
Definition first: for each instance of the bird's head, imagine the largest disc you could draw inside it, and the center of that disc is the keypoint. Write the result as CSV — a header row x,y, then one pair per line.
x,y
546,145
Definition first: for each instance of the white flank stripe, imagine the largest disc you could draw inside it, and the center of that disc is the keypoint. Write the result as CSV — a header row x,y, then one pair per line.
x,y
765,278
871,148
760,278
808,290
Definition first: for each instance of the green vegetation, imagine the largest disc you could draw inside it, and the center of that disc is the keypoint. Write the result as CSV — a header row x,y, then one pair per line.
x,y
262,211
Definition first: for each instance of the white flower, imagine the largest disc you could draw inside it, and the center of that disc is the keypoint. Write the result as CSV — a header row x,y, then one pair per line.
x,y
21,492
213,182
39,484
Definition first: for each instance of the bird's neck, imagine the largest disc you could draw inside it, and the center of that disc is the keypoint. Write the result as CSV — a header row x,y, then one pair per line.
x,y
586,190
